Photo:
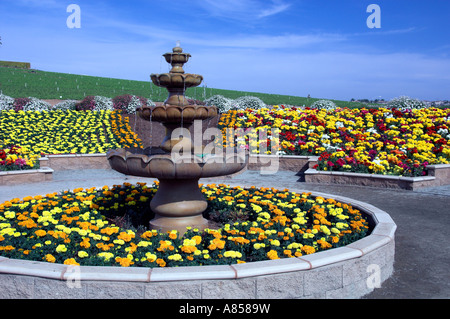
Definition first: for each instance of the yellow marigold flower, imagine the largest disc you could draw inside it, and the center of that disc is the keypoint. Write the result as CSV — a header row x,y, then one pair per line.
x,y
151,257
61,249
107,256
232,254
82,254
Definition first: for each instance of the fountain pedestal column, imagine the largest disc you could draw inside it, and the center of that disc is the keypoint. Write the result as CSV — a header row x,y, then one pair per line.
x,y
178,204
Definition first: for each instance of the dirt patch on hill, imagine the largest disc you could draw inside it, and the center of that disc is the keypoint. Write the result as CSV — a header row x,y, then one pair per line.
x,y
53,102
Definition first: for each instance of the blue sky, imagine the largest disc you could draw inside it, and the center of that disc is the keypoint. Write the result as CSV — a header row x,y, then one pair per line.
x,y
297,47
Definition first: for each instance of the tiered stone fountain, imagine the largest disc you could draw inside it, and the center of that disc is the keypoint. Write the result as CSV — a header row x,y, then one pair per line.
x,y
178,203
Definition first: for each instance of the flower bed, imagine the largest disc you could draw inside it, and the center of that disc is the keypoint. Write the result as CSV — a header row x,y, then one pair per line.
x,y
81,227
66,131
375,141
14,158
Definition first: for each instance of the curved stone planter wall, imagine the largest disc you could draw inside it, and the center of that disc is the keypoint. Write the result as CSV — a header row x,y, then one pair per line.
x,y
347,272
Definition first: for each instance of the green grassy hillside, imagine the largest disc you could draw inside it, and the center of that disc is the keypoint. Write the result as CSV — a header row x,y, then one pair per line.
x,y
50,85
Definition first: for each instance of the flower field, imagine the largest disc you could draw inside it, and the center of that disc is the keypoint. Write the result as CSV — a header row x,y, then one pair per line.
x,y
66,131
378,141
77,227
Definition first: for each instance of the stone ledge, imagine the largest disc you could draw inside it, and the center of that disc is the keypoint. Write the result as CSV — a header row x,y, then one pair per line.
x,y
322,274
61,162
26,176
440,176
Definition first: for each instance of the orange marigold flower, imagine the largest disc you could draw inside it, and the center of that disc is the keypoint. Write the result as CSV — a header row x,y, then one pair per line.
x,y
272,254
188,249
125,236
109,230
40,233
172,235
308,249
161,262
71,261
323,244
124,262
49,258
85,243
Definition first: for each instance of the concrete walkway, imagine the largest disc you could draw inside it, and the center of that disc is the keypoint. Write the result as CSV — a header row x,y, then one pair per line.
x,y
422,253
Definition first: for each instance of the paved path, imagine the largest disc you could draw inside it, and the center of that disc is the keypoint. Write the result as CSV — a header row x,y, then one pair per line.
x,y
422,259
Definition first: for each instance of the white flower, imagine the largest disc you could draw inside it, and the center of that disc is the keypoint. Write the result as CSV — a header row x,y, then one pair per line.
x,y
36,105
249,102
324,104
6,102
222,103
103,103
406,103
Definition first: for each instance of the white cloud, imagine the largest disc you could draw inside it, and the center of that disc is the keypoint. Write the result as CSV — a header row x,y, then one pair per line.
x,y
243,10
277,7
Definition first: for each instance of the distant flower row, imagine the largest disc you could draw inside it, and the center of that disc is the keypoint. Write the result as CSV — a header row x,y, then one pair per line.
x,y
378,140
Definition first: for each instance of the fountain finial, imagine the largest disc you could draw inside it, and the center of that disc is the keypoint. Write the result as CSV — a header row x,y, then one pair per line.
x,y
177,48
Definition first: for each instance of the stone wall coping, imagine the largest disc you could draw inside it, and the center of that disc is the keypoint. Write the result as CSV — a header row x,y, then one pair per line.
x,y
28,171
286,156
74,155
382,234
439,166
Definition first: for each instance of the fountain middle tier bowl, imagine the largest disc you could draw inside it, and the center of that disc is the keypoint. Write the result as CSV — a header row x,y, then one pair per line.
x,y
176,80
176,113
165,166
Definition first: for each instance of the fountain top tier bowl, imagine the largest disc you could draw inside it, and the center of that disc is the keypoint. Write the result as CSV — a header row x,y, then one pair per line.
x,y
176,81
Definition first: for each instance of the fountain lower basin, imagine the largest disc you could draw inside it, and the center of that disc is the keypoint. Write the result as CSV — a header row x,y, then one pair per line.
x,y
178,203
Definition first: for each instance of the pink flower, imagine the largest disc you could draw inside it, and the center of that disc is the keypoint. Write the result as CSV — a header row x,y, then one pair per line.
x,y
20,162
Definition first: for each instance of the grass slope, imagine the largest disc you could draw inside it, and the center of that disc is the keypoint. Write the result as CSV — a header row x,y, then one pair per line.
x,y
16,82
